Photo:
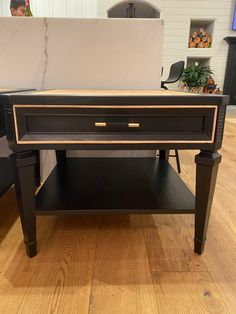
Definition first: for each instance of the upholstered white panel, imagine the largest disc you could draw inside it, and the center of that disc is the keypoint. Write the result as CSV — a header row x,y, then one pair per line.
x,y
81,53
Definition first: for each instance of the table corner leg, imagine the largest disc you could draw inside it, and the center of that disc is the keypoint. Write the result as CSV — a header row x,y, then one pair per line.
x,y
206,172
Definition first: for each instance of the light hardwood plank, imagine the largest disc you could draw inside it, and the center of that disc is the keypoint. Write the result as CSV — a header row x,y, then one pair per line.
x,y
220,251
169,244
16,269
122,280
111,92
9,213
61,282
187,292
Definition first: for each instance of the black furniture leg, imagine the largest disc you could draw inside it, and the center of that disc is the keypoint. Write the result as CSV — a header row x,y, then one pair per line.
x,y
207,168
177,160
37,168
164,87
61,157
25,184
164,154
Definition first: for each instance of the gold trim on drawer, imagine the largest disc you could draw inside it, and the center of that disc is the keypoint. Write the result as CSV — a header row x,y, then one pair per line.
x,y
20,142
114,106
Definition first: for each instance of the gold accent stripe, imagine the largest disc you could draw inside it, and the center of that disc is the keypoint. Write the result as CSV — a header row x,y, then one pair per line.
x,y
214,125
114,142
15,124
115,106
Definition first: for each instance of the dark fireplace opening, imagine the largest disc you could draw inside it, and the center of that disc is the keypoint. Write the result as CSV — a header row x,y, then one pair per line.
x,y
230,74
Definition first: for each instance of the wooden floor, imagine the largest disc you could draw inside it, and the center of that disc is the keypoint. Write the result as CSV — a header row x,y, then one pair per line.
x,y
125,264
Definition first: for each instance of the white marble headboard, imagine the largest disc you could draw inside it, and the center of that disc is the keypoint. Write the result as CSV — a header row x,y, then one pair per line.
x,y
80,53
62,53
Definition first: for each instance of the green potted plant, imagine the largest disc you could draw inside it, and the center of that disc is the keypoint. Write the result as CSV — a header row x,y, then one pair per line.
x,y
195,77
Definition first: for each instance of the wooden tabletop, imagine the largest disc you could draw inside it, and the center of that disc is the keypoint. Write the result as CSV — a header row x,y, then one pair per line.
x,y
78,92
5,90
13,90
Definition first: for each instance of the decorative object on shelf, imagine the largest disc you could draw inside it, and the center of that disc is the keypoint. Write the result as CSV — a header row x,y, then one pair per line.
x,y
218,91
211,87
195,77
130,11
200,39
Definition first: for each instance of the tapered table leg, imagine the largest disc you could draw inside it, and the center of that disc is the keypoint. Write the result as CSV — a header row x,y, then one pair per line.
x,y
207,168
61,157
164,154
37,169
25,191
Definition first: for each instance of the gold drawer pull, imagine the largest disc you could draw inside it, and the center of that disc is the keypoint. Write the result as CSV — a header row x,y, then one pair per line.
x,y
121,124
100,124
133,125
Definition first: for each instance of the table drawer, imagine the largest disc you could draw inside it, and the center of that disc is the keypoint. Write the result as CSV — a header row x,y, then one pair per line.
x,y
124,123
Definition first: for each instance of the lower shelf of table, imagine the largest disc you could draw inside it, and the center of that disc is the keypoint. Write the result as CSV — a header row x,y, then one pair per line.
x,y
6,175
114,185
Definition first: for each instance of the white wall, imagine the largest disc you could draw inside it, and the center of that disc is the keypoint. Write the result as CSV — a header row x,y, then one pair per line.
x,y
57,8
177,14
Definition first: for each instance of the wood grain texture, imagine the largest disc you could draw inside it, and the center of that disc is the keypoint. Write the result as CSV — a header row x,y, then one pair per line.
x,y
62,279
187,293
5,90
11,90
220,252
16,270
169,245
8,212
122,280
125,264
100,92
